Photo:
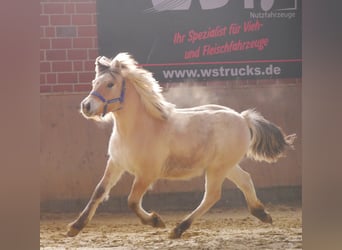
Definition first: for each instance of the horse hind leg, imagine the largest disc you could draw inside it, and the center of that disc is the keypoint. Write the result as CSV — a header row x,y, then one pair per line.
x,y
139,187
212,194
109,179
244,182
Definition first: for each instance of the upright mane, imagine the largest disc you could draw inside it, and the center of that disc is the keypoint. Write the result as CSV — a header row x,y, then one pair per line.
x,y
147,87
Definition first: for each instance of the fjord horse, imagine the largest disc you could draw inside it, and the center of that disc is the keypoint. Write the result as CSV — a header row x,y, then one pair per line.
x,y
152,139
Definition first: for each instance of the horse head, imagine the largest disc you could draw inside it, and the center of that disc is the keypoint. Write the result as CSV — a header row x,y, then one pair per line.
x,y
108,88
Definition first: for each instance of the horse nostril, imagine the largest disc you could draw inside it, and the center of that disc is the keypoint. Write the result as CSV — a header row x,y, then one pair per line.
x,y
86,106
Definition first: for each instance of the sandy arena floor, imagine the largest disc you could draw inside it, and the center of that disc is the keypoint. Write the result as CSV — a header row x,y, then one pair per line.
x,y
233,229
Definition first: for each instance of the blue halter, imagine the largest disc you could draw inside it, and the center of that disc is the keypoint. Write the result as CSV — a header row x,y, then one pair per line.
x,y
116,99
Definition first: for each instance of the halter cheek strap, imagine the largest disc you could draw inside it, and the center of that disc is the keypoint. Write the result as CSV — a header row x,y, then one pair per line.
x,y
120,99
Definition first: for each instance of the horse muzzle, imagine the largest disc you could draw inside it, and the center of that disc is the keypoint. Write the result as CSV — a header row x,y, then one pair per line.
x,y
89,108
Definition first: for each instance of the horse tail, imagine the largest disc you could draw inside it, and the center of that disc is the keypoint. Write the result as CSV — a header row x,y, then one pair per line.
x,y
268,142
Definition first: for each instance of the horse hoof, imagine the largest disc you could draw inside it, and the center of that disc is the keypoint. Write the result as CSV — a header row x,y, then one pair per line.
x,y
72,232
262,215
267,219
175,233
157,221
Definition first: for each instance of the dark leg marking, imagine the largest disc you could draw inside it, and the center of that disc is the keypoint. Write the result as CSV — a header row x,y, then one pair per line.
x,y
261,214
133,206
76,226
180,229
81,221
154,221
98,193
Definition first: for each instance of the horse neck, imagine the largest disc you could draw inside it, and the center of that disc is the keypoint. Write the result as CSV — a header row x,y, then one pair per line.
x,y
133,114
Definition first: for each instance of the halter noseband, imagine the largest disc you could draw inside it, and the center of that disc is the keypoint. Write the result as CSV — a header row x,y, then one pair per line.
x,y
117,99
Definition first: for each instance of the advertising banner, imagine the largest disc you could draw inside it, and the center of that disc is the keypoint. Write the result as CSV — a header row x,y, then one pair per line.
x,y
205,39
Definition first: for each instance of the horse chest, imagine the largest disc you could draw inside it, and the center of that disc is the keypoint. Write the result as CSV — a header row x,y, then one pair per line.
x,y
125,159
132,159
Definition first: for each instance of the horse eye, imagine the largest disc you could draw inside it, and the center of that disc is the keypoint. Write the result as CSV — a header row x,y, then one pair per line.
x,y
109,85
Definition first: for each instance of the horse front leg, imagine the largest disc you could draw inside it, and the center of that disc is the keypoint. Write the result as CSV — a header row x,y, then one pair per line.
x,y
243,181
139,187
214,180
111,176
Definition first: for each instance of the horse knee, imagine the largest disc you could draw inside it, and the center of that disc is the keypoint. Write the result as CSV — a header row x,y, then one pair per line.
x,y
99,192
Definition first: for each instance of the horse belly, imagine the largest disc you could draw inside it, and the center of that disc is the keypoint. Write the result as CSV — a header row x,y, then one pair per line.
x,y
182,167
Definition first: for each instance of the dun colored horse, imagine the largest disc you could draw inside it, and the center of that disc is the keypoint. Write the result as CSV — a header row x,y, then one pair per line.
x,y
152,139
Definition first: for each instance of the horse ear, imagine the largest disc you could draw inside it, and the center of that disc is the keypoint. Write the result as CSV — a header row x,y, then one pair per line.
x,y
118,66
101,64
